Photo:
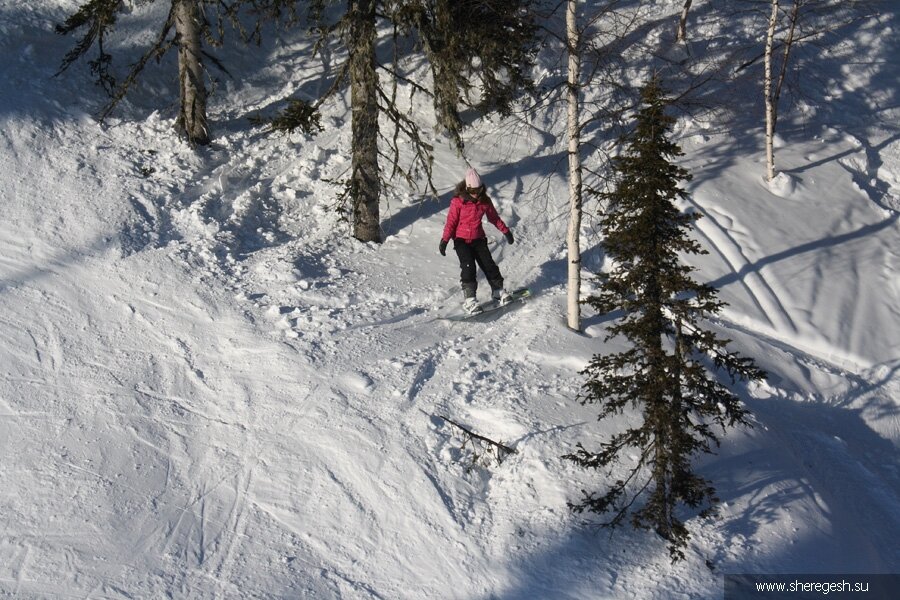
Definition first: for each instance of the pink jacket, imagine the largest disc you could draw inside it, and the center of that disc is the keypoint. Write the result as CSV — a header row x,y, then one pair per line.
x,y
464,218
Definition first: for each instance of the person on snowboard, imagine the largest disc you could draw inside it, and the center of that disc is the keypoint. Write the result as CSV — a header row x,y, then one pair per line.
x,y
469,204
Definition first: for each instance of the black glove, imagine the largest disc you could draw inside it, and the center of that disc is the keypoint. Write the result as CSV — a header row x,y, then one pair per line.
x,y
442,247
509,237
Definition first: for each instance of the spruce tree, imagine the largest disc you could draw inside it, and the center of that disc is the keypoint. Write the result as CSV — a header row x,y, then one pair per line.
x,y
469,42
669,373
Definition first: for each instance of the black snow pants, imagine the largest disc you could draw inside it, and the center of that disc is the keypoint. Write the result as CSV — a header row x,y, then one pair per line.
x,y
470,254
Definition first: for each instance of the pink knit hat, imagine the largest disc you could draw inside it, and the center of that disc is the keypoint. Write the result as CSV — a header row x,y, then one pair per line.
x,y
472,179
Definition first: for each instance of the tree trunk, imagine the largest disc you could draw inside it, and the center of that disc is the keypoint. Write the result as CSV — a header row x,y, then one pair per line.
x,y
364,184
446,98
658,409
788,44
767,90
573,240
192,117
446,78
681,35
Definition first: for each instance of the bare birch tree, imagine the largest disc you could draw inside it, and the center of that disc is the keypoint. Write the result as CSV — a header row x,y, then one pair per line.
x,y
767,90
681,34
589,61
819,17
573,132
192,114
594,61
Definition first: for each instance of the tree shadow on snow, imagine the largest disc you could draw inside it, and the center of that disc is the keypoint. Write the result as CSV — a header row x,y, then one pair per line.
x,y
407,216
576,567
866,177
66,258
818,466
816,245
826,470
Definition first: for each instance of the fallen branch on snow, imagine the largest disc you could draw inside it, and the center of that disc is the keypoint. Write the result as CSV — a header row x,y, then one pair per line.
x,y
501,451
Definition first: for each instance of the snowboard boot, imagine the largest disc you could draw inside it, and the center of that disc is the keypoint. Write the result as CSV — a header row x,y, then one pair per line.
x,y
501,296
471,306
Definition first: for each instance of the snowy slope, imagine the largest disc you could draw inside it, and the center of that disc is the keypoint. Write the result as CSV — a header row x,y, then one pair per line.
x,y
207,390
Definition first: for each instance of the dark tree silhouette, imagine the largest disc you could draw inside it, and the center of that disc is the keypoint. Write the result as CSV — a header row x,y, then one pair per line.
x,y
669,373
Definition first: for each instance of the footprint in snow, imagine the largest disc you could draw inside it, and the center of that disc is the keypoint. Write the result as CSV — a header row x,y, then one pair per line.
x,y
358,383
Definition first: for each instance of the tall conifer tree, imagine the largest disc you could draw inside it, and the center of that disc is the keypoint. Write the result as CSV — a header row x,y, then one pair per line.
x,y
669,373
488,45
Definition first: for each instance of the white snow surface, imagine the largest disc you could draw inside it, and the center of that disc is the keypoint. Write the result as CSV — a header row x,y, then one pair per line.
x,y
209,390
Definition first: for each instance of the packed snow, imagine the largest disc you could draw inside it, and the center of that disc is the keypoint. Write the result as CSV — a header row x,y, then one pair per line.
x,y
208,389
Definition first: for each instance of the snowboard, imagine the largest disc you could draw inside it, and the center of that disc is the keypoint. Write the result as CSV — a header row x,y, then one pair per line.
x,y
493,307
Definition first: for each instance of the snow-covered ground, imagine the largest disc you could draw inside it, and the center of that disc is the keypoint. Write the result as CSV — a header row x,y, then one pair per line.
x,y
208,390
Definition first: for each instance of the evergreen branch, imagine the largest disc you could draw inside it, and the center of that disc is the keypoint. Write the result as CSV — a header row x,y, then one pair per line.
x,y
157,51
601,505
397,76
625,508
404,124
341,26
393,102
549,30
99,16
216,62
299,114
335,85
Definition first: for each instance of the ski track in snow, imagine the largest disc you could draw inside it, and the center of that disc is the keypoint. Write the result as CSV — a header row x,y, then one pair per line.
x,y
721,236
